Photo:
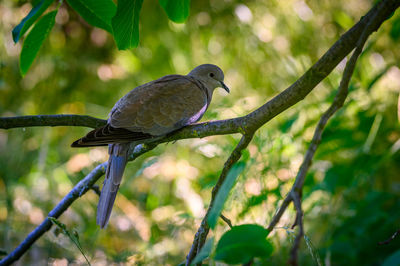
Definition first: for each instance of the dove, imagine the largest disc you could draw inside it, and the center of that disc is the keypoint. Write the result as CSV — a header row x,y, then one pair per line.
x,y
149,111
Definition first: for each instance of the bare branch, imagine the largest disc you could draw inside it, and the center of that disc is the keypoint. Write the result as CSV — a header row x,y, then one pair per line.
x,y
387,241
81,188
299,221
226,220
296,191
51,121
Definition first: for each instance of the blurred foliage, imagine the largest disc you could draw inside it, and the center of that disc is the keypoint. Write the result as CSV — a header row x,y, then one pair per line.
x,y
351,195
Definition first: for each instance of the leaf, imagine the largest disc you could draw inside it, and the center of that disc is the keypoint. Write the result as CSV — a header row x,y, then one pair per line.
x,y
242,243
96,12
125,24
223,193
204,252
177,10
27,21
393,259
35,39
74,236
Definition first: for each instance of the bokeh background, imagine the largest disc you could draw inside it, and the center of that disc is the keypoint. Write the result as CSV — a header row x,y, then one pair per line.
x,y
352,192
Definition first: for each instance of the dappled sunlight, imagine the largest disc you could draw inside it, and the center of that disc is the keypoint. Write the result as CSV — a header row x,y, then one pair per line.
x,y
351,192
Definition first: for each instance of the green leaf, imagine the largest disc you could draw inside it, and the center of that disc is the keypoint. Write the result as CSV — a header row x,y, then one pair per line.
x,y
34,40
223,193
242,243
125,23
393,259
96,12
74,236
204,252
27,21
177,10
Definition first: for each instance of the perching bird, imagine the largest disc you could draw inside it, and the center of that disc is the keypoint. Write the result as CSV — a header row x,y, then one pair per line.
x,y
151,110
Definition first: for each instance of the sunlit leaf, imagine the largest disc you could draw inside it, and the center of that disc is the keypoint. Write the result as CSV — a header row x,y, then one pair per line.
x,y
35,39
223,193
242,243
96,12
125,23
204,252
177,10
27,21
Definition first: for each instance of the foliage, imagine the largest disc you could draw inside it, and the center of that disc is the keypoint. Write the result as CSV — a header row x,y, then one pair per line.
x,y
121,21
351,195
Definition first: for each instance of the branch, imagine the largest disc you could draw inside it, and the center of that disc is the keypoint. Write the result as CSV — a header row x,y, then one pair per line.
x,y
246,125
81,188
51,121
78,191
296,190
202,232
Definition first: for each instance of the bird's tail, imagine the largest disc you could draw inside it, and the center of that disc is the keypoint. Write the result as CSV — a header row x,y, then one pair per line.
x,y
115,170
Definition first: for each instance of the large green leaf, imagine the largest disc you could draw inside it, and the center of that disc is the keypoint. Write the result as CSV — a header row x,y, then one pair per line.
x,y
223,193
34,40
125,23
27,21
177,10
242,243
96,12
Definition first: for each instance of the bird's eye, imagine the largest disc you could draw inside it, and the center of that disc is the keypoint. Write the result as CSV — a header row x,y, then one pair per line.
x,y
211,75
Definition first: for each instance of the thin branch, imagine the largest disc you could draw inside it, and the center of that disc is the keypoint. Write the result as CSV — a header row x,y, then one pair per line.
x,y
202,232
387,241
296,191
51,121
226,220
81,188
78,191
299,221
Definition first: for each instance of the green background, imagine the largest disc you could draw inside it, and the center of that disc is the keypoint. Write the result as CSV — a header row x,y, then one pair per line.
x,y
351,195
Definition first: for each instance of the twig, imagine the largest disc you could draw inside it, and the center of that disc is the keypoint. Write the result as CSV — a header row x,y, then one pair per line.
x,y
202,232
299,221
51,121
226,220
96,189
387,241
79,190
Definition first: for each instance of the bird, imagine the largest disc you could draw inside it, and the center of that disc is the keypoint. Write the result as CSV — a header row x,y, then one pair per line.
x,y
149,111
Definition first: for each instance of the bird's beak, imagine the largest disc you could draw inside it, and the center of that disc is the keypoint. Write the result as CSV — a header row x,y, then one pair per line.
x,y
225,87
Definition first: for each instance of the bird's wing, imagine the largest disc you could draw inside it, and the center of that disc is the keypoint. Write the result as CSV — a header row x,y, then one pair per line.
x,y
161,106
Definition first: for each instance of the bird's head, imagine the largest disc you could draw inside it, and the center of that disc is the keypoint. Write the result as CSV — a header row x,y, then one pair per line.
x,y
211,75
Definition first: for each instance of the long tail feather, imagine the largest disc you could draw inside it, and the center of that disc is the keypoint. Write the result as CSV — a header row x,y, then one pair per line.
x,y
115,170
103,136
